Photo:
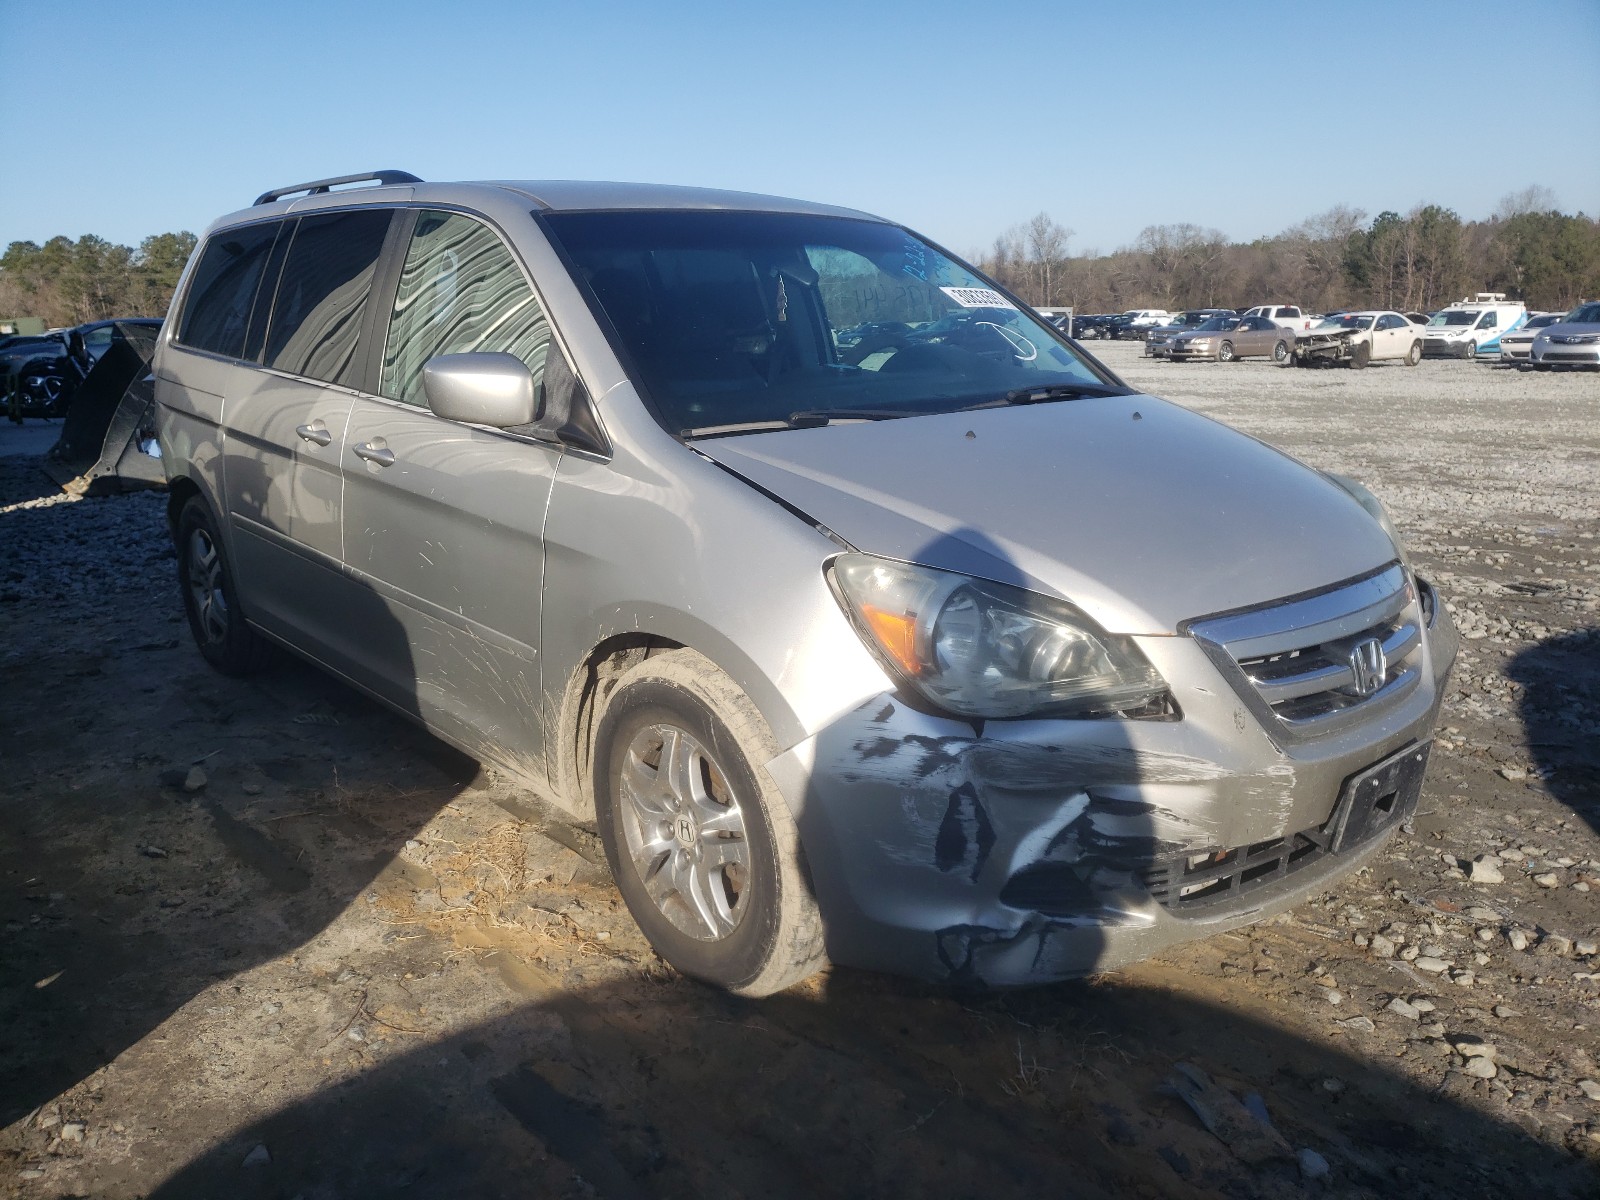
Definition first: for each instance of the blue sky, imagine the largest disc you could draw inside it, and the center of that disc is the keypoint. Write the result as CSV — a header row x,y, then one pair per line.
x,y
958,119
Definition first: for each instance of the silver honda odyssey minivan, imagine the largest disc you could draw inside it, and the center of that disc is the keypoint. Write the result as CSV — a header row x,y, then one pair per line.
x,y
868,618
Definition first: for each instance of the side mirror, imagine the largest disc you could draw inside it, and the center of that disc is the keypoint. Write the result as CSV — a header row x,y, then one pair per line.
x,y
484,388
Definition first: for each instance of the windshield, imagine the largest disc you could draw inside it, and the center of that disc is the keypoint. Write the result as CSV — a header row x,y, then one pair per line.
x,y
1454,317
1346,321
1584,314
734,319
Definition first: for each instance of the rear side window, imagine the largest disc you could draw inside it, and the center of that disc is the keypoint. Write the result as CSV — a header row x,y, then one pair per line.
x,y
461,291
322,295
217,311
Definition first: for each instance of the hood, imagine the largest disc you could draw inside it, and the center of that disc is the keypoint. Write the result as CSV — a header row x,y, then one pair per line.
x,y
1140,512
1568,329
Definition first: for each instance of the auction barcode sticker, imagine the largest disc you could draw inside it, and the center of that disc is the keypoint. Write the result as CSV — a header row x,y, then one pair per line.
x,y
977,297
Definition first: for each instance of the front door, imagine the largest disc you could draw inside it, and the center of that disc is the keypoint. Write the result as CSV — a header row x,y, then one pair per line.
x,y
444,522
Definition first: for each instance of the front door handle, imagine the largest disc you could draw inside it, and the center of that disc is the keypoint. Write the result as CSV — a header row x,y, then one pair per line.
x,y
374,454
315,432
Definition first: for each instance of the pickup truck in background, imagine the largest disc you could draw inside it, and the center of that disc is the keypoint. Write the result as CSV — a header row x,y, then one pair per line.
x,y
1284,316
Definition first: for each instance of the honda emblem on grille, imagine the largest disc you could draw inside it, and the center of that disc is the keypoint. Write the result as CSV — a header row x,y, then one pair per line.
x,y
1368,665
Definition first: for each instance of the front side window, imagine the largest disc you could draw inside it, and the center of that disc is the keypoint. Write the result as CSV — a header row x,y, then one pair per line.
x,y
767,320
216,313
322,294
461,291
1487,321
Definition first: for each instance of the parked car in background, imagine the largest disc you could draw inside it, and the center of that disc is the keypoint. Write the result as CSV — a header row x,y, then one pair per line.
x,y
1573,341
1472,325
1158,340
1088,327
1516,347
1225,339
1134,322
571,474
1061,318
1359,338
1284,316
24,358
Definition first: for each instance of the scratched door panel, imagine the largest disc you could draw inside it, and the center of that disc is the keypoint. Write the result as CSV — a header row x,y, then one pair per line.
x,y
445,543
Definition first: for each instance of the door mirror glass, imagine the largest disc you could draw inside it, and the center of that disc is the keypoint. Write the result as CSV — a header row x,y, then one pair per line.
x,y
482,388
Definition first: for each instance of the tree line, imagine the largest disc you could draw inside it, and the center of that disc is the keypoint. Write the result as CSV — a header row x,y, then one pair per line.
x,y
66,282
1416,262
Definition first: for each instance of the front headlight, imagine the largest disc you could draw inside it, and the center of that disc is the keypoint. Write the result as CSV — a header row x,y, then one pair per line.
x,y
1200,343
988,650
1583,339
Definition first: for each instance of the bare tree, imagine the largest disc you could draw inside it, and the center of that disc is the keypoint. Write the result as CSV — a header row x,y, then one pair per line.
x,y
1047,246
1535,198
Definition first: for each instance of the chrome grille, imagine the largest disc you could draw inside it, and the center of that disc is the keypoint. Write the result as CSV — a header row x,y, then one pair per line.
x,y
1307,666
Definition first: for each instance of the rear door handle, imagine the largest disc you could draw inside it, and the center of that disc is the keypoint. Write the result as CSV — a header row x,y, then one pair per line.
x,y
315,432
374,454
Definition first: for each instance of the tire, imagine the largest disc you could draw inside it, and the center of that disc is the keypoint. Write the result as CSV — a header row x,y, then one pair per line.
x,y
1225,352
210,597
748,922
1414,355
1280,353
1361,355
1471,352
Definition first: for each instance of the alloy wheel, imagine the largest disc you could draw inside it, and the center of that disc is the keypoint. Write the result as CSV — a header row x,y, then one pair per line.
x,y
685,832
204,577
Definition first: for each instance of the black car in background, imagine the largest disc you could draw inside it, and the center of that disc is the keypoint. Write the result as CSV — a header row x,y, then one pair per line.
x,y
39,375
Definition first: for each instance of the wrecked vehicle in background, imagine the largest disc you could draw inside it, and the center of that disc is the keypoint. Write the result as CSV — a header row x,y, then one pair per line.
x,y
108,438
962,659
1358,338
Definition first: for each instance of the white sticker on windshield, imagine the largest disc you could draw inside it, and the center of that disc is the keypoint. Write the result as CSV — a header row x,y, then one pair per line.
x,y
977,297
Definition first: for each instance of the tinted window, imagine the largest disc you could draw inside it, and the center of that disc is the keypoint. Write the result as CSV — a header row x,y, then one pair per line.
x,y
1289,312
217,310
460,291
327,276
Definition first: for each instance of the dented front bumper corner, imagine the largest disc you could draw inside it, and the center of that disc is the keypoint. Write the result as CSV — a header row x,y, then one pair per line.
x,y
1031,851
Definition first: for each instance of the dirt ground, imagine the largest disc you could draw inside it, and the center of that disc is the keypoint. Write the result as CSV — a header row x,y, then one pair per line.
x,y
265,939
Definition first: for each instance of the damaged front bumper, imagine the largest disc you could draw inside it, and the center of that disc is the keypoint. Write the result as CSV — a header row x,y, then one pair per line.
x,y
1030,851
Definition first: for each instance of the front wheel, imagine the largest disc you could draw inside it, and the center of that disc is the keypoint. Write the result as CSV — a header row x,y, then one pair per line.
x,y
210,597
1414,355
700,841
1361,355
1471,352
1280,353
1225,352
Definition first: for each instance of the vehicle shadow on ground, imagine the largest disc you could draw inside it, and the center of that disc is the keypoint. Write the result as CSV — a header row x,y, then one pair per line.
x,y
1560,708
866,1087
155,813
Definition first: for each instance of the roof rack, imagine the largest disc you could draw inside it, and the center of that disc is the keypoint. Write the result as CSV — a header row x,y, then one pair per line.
x,y
318,187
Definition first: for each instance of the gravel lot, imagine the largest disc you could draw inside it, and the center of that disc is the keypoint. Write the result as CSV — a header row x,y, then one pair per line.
x,y
265,939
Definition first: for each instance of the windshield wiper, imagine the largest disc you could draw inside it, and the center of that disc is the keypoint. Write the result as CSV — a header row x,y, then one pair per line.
x,y
810,418
1052,391
804,419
